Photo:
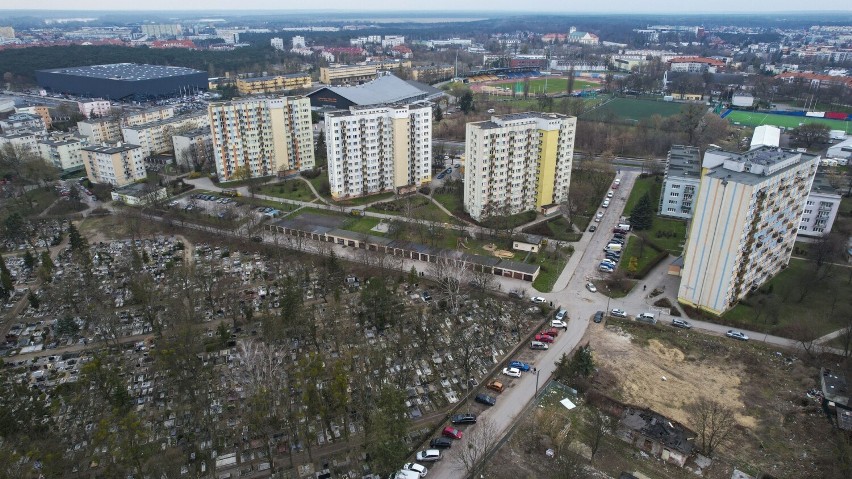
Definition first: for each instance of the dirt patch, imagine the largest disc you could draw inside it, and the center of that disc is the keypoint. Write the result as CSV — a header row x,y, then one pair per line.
x,y
658,375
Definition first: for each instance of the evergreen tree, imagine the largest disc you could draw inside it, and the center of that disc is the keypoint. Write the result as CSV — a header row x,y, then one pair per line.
x,y
642,216
29,260
466,102
439,115
6,284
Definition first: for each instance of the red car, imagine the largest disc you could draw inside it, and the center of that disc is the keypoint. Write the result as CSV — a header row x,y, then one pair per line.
x,y
553,332
452,432
544,338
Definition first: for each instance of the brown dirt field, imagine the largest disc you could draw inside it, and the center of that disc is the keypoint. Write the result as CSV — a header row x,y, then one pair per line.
x,y
656,375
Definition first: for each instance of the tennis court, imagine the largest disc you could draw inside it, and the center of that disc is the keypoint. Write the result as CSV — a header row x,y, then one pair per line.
x,y
553,85
756,119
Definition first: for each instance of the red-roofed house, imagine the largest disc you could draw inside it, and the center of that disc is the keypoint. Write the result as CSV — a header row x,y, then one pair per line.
x,y
401,51
817,79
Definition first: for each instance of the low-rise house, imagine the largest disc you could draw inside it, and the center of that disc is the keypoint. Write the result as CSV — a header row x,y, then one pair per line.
x,y
527,242
836,398
657,435
136,194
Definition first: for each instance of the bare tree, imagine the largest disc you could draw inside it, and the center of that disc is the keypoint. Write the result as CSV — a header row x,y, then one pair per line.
x,y
471,458
599,425
713,422
451,275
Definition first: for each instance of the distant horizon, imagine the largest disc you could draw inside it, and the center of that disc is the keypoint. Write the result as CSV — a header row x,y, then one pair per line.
x,y
662,7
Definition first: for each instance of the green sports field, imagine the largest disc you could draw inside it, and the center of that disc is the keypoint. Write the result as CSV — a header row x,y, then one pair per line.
x,y
634,109
554,85
756,119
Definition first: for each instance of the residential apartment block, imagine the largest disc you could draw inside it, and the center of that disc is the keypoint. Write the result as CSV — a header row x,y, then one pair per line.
x,y
94,106
194,149
372,149
42,111
117,164
64,154
156,137
821,208
25,141
147,115
358,73
264,136
273,84
100,130
518,162
748,210
680,183
22,122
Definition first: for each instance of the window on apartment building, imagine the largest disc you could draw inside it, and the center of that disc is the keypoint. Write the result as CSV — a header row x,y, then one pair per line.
x,y
671,210
803,228
807,212
810,203
675,187
818,230
675,194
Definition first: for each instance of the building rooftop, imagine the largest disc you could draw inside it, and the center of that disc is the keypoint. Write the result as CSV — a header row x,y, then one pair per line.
x,y
684,162
137,190
21,134
111,149
822,186
834,387
194,133
272,77
659,428
167,121
753,166
54,142
125,71
499,121
384,89
401,105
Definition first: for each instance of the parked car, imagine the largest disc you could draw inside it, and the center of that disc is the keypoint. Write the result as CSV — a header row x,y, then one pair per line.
x,y
598,217
737,335
593,228
552,332
561,315
496,386
679,323
419,469
440,443
599,316
538,345
516,294
538,300
483,398
618,313
464,418
518,365
543,338
557,323
591,287
617,241
609,195
451,432
426,296
512,372
605,268
405,474
605,204
429,455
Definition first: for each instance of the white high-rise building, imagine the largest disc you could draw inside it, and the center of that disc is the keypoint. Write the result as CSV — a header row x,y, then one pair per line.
x,y
378,148
156,137
518,162
262,136
821,208
64,154
298,41
744,225
277,43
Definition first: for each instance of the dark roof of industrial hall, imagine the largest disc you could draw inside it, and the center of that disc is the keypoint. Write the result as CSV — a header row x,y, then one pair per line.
x,y
125,71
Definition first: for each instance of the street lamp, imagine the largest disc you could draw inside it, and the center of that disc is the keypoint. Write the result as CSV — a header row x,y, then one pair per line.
x,y
537,371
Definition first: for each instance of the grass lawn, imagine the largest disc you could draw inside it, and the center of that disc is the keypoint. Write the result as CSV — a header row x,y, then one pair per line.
x,y
749,118
513,221
558,228
319,182
237,184
644,185
776,308
296,190
364,225
451,201
551,268
634,249
674,244
634,109
845,205
363,200
34,202
428,211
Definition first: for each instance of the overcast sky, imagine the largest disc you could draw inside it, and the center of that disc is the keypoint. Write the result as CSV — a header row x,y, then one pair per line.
x,y
480,6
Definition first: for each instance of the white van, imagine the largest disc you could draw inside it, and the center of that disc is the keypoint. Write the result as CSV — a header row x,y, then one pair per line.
x,y
623,226
613,247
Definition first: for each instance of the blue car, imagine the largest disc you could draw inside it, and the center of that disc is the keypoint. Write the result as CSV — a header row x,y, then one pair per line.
x,y
519,365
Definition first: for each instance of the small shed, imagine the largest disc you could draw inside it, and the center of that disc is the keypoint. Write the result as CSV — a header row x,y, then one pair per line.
x,y
527,242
